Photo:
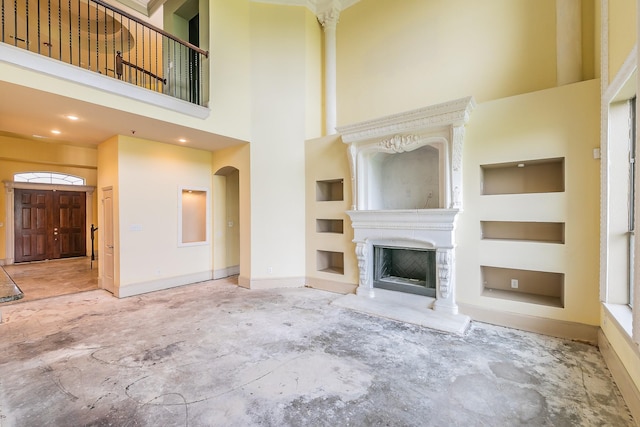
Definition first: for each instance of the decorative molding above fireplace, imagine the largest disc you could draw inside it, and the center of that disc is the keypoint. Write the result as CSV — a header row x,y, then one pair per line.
x,y
406,171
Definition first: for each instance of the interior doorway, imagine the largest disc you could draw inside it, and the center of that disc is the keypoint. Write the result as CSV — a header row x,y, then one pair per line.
x,y
226,222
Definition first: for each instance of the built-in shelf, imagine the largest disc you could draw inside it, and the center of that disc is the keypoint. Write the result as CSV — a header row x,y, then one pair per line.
x,y
330,190
330,226
550,232
330,262
535,287
527,176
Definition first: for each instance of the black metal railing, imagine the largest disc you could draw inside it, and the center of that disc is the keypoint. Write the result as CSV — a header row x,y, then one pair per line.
x,y
97,36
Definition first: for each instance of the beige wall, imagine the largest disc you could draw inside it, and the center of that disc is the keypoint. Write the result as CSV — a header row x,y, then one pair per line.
x,y
278,89
392,59
237,158
148,178
108,179
548,124
326,159
622,33
19,154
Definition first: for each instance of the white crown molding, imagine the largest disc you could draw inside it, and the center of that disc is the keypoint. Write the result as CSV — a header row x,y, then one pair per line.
x,y
318,7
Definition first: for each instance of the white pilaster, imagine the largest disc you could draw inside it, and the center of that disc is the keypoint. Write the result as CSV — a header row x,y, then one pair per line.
x,y
329,20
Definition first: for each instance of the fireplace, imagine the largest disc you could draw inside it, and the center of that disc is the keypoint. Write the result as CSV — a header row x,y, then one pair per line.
x,y
406,172
405,270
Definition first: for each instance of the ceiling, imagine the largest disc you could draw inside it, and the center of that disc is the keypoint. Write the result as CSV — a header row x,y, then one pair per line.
x,y
33,114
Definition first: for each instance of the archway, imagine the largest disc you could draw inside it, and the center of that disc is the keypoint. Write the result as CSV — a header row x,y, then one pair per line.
x,y
226,222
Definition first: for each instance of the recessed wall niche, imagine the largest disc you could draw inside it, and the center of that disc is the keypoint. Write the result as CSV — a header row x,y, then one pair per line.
x,y
192,216
535,287
330,190
547,232
330,262
330,226
527,176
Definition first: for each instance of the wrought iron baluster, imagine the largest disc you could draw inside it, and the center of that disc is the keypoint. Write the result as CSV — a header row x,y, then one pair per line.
x,y
26,23
39,26
15,22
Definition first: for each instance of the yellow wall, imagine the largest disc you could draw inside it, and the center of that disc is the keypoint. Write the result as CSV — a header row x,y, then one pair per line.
x,y
150,175
278,117
622,33
326,159
554,123
238,158
394,58
26,155
230,65
108,179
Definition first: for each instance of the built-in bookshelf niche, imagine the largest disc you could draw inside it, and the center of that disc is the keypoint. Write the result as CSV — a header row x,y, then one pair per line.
x,y
330,226
535,287
330,262
330,190
527,176
547,232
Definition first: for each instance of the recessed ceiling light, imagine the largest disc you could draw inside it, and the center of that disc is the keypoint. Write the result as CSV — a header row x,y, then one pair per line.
x,y
182,140
55,132
71,117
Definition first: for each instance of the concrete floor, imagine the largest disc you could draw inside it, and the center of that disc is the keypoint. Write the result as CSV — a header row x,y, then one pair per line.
x,y
214,354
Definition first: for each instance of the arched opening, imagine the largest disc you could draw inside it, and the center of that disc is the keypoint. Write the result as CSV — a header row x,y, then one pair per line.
x,y
226,222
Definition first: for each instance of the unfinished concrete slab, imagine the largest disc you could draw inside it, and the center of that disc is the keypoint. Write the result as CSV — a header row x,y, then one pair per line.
x,y
214,354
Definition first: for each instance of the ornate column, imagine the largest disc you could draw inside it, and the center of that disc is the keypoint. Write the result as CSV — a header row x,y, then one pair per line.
x,y
365,285
445,275
329,21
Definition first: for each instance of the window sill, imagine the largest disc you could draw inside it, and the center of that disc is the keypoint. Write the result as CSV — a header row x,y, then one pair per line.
x,y
622,315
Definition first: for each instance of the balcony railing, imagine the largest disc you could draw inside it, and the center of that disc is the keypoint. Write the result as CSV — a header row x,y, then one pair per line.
x,y
97,36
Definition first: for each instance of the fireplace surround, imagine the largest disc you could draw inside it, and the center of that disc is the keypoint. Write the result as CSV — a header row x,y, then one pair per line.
x,y
406,172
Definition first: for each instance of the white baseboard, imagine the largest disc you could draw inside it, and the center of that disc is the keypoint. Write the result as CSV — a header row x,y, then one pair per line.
x,y
331,285
160,284
621,376
271,283
221,273
541,325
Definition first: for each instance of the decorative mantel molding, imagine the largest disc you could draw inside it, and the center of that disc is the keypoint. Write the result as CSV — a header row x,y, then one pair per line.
x,y
371,145
448,114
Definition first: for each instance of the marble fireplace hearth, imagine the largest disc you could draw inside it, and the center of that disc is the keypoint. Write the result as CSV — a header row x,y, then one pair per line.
x,y
406,172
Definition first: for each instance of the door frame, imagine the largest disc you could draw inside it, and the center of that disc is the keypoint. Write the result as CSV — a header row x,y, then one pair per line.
x,y
10,205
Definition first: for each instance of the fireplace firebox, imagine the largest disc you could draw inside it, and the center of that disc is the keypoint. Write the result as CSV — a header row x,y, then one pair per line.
x,y
405,270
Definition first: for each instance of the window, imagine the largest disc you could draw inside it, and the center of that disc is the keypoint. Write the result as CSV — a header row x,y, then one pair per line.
x,y
632,194
48,178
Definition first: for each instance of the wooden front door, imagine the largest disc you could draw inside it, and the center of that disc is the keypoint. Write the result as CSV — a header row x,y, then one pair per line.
x,y
49,224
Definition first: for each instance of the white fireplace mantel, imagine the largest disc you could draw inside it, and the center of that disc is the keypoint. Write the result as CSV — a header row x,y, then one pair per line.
x,y
406,172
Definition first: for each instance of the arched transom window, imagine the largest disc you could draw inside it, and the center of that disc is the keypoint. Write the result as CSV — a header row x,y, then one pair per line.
x,y
48,178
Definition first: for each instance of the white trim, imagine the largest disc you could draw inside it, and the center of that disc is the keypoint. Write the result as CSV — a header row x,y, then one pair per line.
x,y
540,325
621,377
61,70
222,273
271,283
161,284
